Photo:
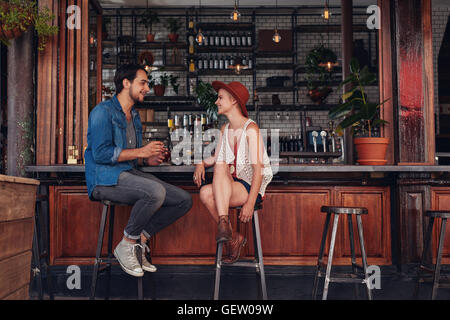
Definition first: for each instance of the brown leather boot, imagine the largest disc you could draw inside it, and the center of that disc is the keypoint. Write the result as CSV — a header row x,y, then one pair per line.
x,y
235,245
224,232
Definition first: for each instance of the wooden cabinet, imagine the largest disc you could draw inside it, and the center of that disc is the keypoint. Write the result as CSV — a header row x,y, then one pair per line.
x,y
440,200
291,227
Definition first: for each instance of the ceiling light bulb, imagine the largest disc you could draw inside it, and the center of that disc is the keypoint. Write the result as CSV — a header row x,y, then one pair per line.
x,y
276,37
326,13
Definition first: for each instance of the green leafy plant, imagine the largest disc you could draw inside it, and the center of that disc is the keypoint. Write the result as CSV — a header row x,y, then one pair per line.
x,y
16,16
206,97
148,19
357,112
173,25
174,83
162,80
317,75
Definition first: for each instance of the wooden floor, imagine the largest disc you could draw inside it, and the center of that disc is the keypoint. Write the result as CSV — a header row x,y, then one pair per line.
x,y
197,283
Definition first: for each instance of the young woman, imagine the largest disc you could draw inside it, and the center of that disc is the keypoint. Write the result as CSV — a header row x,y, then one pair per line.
x,y
241,167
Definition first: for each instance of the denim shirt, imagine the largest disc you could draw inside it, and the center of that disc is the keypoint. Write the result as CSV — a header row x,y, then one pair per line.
x,y
106,138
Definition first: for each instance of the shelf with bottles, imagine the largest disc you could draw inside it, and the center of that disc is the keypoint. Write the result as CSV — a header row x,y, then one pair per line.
x,y
217,40
219,64
223,49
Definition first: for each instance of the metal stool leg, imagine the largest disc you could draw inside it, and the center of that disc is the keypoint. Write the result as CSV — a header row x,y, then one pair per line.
x,y
99,251
218,269
259,254
37,261
352,250
321,253
110,255
437,270
330,256
424,255
363,255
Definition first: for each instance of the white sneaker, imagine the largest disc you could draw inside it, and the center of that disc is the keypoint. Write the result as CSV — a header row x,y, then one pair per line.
x,y
146,265
125,252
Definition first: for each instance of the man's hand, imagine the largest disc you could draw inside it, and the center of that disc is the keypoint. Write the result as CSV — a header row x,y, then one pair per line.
x,y
156,160
152,149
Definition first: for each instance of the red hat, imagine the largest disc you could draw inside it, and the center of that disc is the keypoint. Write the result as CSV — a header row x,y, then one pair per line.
x,y
237,90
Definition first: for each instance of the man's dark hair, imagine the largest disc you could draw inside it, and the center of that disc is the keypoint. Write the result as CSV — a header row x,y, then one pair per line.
x,y
126,71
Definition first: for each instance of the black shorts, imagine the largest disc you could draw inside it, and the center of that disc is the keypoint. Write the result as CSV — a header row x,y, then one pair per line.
x,y
247,187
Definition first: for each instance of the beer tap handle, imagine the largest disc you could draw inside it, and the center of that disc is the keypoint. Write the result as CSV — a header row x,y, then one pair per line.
x,y
323,134
315,134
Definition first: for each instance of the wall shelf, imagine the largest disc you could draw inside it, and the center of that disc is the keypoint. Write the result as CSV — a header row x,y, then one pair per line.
x,y
213,49
226,26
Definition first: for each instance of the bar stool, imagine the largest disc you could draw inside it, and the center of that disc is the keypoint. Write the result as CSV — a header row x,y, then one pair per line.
x,y
39,255
257,263
354,277
444,215
110,257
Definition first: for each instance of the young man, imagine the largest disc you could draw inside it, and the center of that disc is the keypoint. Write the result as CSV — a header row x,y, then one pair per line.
x,y
114,151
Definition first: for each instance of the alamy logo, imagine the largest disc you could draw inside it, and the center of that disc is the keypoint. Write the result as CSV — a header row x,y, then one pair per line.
x,y
74,18
373,22
74,280
374,279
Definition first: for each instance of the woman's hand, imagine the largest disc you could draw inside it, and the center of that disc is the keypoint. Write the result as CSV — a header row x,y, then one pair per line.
x,y
199,174
246,212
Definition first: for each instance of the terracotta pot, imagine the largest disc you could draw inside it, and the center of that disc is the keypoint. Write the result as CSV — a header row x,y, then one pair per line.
x,y
159,90
150,37
173,37
371,151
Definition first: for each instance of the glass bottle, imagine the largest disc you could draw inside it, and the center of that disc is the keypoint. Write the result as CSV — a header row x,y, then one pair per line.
x,y
221,64
249,39
227,39
233,39
192,66
243,39
238,40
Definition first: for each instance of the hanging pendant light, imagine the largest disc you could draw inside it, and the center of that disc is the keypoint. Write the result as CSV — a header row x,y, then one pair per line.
x,y
276,36
199,38
238,66
328,65
235,14
326,11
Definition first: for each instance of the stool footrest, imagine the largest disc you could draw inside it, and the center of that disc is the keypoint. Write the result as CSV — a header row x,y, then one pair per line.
x,y
250,264
346,280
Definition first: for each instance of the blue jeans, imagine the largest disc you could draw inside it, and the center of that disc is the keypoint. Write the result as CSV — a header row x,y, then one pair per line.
x,y
156,204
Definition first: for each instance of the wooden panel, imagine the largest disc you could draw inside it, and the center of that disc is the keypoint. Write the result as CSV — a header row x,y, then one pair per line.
x,y
14,273
291,223
15,237
412,201
192,235
47,85
441,201
415,81
376,224
19,294
385,78
61,83
16,201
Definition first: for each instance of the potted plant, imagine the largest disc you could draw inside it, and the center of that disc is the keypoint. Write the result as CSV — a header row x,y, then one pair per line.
x,y
318,75
206,97
362,116
174,83
173,25
16,16
148,19
159,86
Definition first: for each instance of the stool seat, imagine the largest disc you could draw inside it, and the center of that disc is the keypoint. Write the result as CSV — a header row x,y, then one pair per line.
x,y
258,206
438,213
344,210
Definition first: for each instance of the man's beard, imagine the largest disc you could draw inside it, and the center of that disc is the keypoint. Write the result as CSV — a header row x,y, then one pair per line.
x,y
135,97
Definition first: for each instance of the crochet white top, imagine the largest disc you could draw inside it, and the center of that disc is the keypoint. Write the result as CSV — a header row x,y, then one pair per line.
x,y
244,169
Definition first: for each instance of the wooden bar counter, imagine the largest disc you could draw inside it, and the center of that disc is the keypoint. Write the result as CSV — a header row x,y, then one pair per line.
x,y
291,221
